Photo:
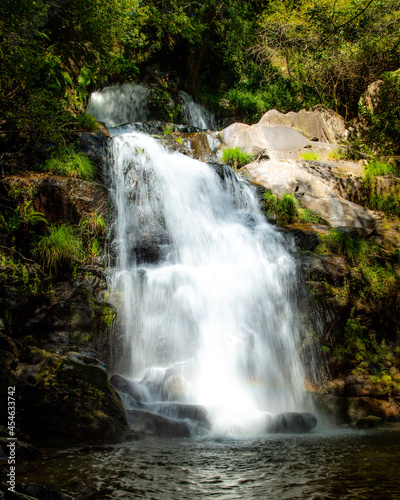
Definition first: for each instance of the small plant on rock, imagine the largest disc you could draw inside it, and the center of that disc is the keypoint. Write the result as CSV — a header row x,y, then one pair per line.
x,y
236,157
68,162
60,246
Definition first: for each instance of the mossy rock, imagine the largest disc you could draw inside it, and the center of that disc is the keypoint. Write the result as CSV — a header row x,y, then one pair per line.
x,y
67,400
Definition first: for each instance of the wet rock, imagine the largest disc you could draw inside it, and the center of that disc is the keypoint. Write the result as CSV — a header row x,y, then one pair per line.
x,y
135,390
157,425
195,413
24,451
291,423
41,492
60,199
79,321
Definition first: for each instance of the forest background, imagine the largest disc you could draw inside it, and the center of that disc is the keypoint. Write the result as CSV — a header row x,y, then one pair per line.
x,y
238,58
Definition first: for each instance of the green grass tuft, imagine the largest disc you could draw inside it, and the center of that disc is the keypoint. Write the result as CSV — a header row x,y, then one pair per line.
x,y
60,246
236,157
88,122
70,163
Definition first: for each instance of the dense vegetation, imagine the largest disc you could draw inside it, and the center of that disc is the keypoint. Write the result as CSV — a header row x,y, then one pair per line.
x,y
242,58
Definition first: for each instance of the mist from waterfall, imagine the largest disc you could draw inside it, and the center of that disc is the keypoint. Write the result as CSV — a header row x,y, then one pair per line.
x,y
204,288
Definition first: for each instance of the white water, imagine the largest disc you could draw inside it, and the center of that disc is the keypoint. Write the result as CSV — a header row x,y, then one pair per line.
x,y
195,114
119,104
203,287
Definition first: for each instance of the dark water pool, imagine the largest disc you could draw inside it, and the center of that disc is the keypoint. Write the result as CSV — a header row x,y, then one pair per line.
x,y
335,464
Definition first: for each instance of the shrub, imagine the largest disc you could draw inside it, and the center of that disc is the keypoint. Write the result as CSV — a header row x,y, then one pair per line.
x,y
236,157
60,246
68,162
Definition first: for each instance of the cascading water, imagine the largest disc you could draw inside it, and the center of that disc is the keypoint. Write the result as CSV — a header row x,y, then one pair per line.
x,y
195,114
203,287
119,104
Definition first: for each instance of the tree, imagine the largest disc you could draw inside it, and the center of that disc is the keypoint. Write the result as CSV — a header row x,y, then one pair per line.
x,y
337,47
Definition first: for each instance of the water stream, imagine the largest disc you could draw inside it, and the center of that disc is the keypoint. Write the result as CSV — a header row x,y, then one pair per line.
x,y
205,287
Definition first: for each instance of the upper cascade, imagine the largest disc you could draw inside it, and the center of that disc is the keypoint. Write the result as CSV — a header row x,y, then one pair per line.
x,y
119,104
196,115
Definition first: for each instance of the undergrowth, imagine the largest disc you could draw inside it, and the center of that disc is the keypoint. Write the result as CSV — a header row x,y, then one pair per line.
x,y
288,208
69,162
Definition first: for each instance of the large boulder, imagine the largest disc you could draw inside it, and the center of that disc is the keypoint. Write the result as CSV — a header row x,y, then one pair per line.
x,y
60,199
319,123
291,423
313,191
277,141
147,423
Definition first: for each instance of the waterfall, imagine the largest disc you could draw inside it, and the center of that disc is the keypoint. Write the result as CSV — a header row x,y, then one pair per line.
x,y
119,104
195,114
204,288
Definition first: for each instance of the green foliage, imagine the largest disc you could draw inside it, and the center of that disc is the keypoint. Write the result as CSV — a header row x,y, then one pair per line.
x,y
249,104
60,246
289,209
356,343
236,157
335,47
371,280
385,200
68,162
375,168
337,154
87,122
309,156
353,247
381,131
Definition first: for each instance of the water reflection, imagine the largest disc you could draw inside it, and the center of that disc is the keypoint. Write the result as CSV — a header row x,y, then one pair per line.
x,y
342,464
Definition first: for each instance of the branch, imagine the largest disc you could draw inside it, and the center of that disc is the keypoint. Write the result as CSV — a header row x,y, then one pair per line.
x,y
16,251
344,24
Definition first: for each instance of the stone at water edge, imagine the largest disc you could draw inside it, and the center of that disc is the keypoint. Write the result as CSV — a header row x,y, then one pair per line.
x,y
134,389
371,422
156,425
291,423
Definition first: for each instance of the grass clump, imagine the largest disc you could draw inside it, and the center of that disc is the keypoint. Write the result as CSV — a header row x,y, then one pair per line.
x,y
236,157
68,162
289,209
88,122
309,156
60,246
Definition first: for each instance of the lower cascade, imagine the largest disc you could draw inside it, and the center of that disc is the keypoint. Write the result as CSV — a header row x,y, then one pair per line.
x,y
207,327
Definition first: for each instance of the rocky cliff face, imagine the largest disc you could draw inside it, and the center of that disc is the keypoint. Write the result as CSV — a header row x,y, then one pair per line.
x,y
55,327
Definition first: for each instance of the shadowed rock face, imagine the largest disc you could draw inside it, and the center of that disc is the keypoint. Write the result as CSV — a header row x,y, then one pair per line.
x,y
291,423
